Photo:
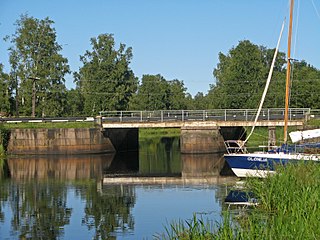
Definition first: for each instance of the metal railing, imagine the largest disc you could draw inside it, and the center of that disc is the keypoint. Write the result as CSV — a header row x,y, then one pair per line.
x,y
203,115
315,114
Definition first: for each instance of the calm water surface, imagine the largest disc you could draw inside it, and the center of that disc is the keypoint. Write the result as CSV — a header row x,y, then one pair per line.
x,y
93,196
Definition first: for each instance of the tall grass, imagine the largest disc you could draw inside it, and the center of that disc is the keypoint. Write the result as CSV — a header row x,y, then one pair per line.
x,y
289,208
50,125
198,229
289,203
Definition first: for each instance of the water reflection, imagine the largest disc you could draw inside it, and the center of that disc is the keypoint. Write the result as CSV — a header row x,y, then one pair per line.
x,y
62,197
160,157
43,210
59,167
201,165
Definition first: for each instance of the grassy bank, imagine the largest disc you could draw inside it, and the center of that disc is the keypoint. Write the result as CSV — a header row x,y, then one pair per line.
x,y
49,125
158,132
289,208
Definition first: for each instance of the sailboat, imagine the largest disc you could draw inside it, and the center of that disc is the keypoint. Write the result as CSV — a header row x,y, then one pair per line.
x,y
260,164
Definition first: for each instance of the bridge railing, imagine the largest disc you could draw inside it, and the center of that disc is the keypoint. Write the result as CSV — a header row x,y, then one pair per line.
x,y
203,115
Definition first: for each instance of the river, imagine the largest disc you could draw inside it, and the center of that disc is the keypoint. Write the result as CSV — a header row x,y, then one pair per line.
x,y
124,196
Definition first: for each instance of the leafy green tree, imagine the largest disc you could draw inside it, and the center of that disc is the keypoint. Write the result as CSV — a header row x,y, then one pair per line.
x,y
189,101
201,101
156,93
5,93
176,95
305,86
74,103
152,93
105,80
34,54
241,75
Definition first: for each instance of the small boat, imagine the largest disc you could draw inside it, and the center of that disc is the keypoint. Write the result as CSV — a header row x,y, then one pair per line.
x,y
260,164
241,197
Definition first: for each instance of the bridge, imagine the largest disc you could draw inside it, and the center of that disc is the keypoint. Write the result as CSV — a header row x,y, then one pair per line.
x,y
202,131
272,117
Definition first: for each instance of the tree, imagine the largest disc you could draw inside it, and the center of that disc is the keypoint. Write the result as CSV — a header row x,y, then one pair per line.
x,y
105,80
156,93
35,55
305,86
176,95
74,103
241,75
152,93
5,93
200,101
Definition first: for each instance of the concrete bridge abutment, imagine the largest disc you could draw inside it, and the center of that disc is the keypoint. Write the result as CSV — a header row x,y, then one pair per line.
x,y
194,140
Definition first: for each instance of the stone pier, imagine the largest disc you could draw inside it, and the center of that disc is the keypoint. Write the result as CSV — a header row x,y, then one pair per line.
x,y
201,140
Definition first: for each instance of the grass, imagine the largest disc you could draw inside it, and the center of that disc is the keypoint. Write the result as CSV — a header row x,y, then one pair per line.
x,y
260,136
50,125
314,122
198,229
289,208
159,132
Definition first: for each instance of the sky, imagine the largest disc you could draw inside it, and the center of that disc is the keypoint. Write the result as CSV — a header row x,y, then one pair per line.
x,y
179,39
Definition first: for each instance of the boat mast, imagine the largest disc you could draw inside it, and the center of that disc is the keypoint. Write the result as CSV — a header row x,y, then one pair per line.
x,y
288,75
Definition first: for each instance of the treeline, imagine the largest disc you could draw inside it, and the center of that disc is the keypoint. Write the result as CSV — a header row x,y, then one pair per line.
x,y
105,80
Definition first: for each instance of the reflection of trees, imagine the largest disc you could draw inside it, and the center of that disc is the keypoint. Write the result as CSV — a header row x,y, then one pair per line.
x,y
160,156
4,194
39,209
109,211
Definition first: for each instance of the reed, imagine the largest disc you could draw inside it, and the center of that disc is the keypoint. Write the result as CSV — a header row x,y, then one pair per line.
x,y
289,203
289,208
198,229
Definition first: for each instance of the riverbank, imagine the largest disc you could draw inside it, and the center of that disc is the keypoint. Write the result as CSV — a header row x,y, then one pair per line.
x,y
288,209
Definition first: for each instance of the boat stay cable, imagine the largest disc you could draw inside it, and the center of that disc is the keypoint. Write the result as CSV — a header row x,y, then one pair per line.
x,y
266,86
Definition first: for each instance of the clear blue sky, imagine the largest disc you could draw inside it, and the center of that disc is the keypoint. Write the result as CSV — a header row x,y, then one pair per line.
x,y
179,39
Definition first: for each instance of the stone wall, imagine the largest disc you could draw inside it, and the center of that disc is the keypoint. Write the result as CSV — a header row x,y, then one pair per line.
x,y
58,141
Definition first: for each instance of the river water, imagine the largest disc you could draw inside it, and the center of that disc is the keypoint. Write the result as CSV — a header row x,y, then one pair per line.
x,y
124,196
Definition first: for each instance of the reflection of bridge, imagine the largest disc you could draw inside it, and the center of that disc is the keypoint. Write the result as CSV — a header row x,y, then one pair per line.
x,y
201,118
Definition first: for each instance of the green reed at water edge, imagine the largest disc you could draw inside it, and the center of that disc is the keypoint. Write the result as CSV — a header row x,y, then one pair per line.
x,y
289,208
289,202
198,229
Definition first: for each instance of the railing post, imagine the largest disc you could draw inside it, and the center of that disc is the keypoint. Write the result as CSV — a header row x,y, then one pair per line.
x,y
268,114
161,114
140,116
225,115
182,115
246,114
203,115
289,113
120,116
307,115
